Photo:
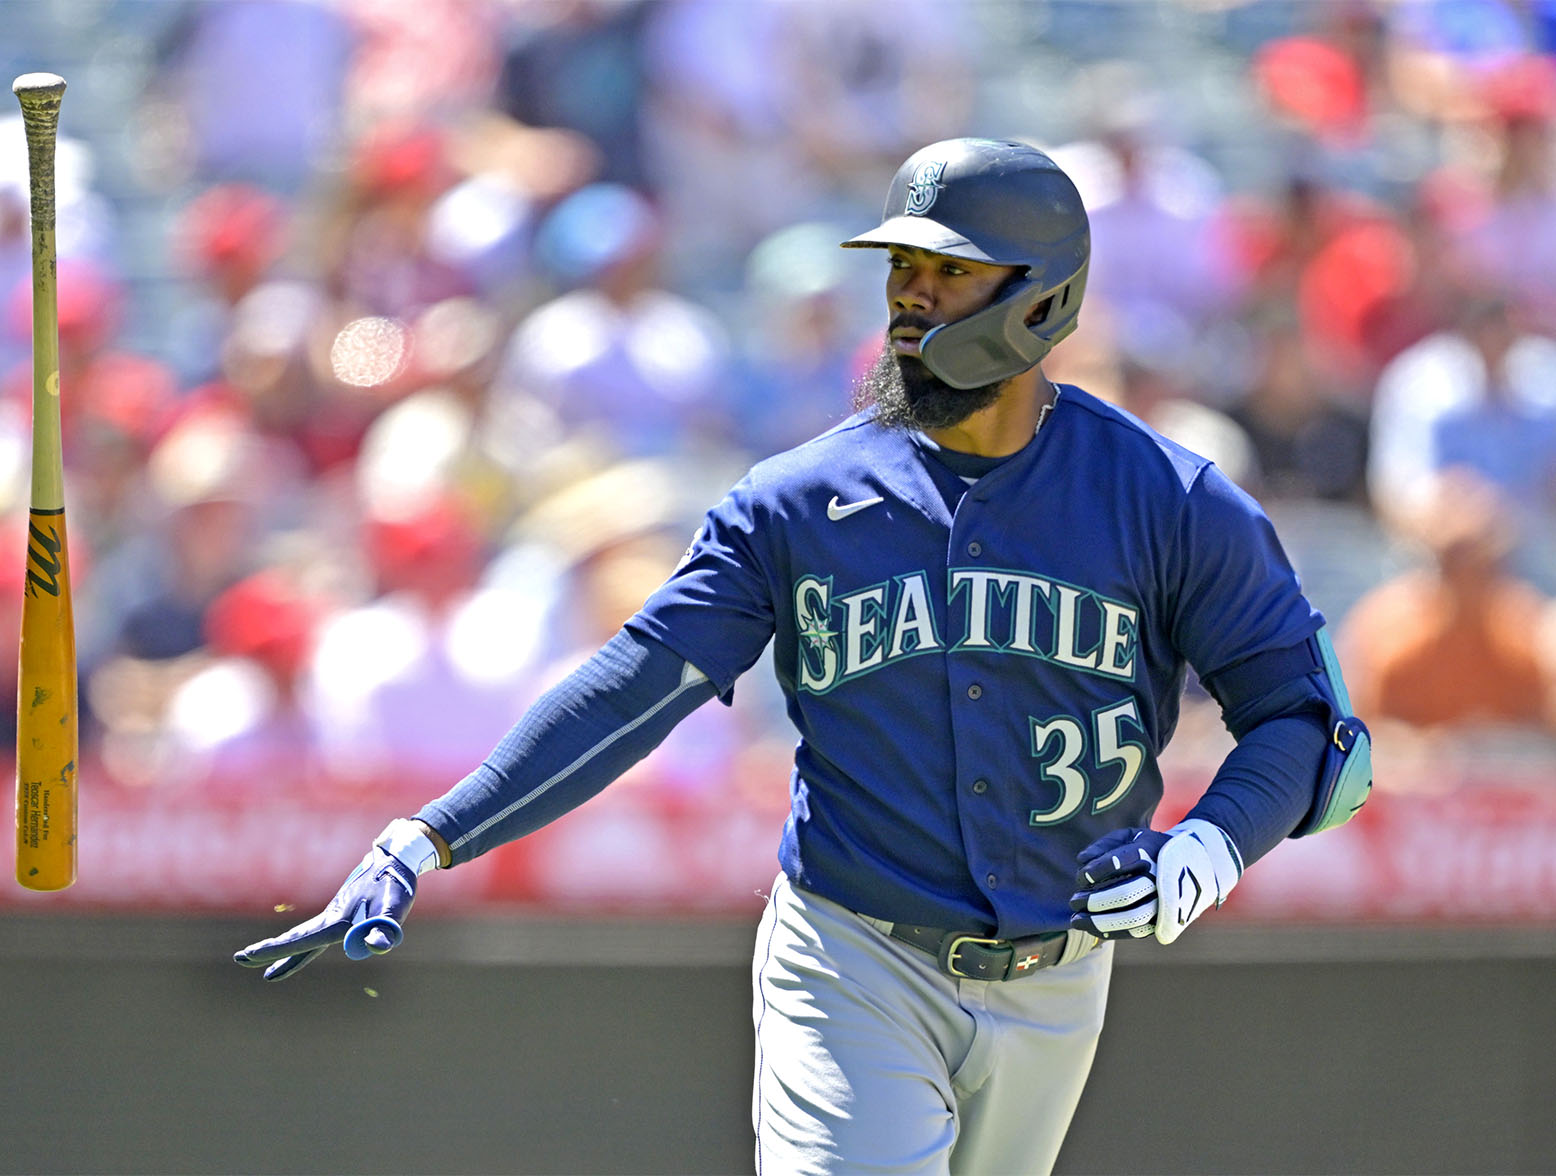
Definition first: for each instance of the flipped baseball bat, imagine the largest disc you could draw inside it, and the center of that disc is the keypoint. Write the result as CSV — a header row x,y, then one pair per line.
x,y
46,722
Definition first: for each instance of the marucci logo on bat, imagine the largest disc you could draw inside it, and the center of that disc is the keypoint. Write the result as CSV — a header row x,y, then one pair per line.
x,y
43,561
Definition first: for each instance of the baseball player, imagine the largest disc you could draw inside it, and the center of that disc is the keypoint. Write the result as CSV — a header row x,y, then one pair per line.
x,y
985,591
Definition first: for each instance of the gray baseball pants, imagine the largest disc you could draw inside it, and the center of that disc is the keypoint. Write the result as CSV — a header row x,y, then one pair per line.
x,y
870,1059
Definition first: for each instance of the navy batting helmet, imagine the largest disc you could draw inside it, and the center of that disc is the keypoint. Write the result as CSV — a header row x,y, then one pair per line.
x,y
1000,202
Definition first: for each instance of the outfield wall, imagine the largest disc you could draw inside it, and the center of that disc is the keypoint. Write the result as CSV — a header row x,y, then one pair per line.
x,y
134,1046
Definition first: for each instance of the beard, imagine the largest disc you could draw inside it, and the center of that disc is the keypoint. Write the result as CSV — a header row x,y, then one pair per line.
x,y
908,396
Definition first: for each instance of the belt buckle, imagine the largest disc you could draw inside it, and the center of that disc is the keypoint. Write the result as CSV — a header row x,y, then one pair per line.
x,y
951,950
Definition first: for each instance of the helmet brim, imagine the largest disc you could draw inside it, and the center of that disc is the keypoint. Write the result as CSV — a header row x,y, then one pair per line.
x,y
919,232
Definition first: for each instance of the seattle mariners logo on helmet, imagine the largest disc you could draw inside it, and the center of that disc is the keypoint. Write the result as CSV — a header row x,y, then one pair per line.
x,y
924,187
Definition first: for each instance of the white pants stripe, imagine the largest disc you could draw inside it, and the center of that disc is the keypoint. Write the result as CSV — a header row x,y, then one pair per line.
x,y
870,1060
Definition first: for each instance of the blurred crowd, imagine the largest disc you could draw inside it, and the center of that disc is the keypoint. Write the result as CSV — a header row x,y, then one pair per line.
x,y
462,311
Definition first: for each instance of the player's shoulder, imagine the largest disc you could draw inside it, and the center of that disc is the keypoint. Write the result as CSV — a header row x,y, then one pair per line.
x,y
1116,434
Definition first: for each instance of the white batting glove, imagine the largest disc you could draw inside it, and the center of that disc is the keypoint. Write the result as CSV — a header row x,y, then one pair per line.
x,y
1138,882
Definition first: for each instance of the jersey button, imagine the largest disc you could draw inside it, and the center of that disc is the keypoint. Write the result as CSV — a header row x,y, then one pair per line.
x,y
975,549
975,692
980,786
993,881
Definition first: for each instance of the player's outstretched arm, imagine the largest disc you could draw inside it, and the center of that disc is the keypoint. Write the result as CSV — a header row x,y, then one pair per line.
x,y
578,737
368,911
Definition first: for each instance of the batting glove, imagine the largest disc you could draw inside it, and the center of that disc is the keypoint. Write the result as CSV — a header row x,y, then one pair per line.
x,y
1138,882
366,914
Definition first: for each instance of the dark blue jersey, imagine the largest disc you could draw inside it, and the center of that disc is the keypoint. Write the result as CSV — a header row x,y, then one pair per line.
x,y
982,677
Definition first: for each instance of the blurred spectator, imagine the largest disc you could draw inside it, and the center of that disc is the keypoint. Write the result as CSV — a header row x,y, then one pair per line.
x,y
716,112
247,90
1326,81
619,355
1426,299
1485,358
1441,49
1308,443
278,370
1336,87
235,728
446,438
142,631
480,228
1161,259
1338,256
418,59
497,453
802,330
374,248
1509,444
695,815
577,65
314,372
1460,643
402,686
228,240
509,175
780,110
230,236
1507,240
858,89
210,487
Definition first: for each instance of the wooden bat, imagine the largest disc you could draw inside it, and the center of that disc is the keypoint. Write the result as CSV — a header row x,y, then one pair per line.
x,y
46,738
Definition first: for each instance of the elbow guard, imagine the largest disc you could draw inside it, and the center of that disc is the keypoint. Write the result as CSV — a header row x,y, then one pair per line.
x,y
1345,781
1305,679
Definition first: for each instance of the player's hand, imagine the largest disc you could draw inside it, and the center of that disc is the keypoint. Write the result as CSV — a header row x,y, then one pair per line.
x,y
366,914
1138,882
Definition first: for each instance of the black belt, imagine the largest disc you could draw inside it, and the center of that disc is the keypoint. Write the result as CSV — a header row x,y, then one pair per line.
x,y
973,957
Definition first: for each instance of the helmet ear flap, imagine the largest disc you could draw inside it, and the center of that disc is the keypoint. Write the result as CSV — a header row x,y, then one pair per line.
x,y
997,342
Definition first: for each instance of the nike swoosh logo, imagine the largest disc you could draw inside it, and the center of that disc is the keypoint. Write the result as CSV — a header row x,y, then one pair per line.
x,y
837,510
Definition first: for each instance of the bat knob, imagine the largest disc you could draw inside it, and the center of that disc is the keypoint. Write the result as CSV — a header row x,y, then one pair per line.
x,y
38,83
357,945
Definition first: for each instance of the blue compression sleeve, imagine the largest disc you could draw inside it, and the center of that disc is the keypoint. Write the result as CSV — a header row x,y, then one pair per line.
x,y
1266,784
577,737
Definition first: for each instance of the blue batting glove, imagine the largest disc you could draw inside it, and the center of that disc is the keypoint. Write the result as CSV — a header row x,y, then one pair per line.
x,y
366,914
1138,882
1116,898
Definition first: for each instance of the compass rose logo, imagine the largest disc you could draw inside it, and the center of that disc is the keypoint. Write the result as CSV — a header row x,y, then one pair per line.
x,y
814,632
924,187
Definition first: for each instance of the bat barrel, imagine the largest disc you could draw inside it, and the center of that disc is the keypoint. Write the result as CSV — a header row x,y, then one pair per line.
x,y
46,714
